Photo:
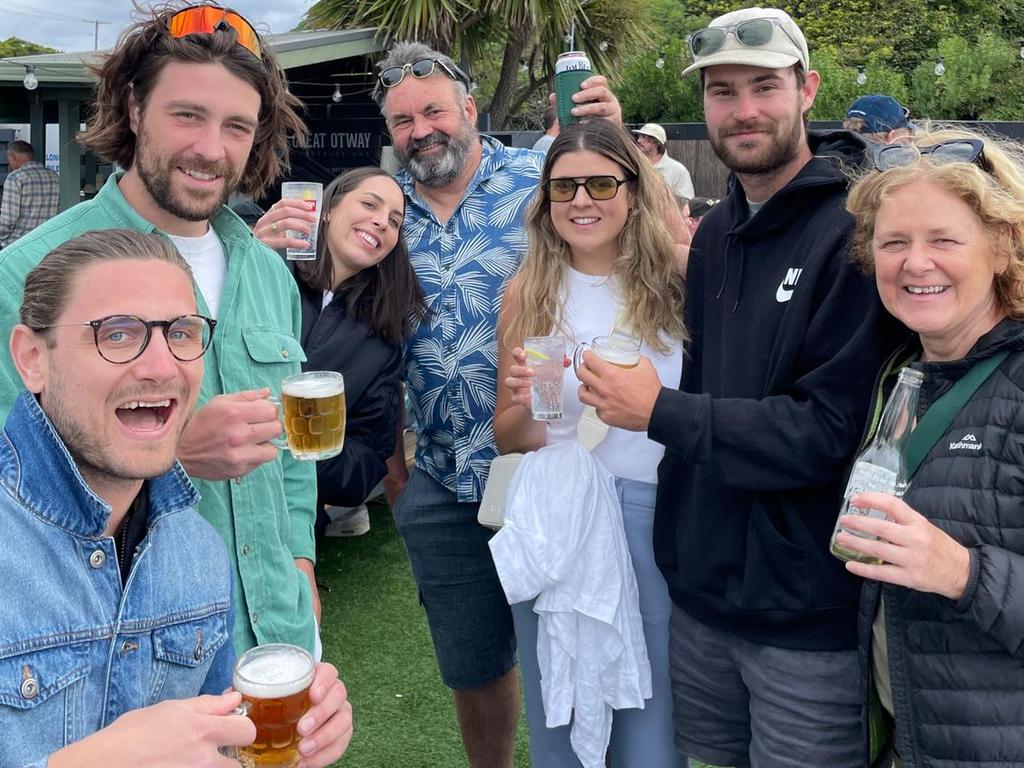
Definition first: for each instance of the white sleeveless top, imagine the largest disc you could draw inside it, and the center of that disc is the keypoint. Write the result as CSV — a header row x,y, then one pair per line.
x,y
590,308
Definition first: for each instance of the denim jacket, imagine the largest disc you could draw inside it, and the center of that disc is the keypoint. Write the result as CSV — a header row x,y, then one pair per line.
x,y
77,650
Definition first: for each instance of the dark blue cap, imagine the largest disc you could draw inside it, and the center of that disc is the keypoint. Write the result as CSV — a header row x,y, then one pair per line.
x,y
880,113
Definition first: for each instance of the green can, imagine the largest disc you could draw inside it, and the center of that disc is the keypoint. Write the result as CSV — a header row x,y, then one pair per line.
x,y
571,69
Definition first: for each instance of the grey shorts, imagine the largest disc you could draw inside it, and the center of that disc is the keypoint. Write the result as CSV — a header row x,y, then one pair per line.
x,y
737,703
470,621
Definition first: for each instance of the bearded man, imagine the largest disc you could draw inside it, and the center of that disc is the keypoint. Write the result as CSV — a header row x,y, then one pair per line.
x,y
786,337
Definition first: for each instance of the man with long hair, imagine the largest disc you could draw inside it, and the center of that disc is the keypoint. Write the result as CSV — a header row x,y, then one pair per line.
x,y
193,105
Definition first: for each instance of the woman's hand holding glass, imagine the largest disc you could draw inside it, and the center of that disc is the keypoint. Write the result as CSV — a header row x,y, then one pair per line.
x,y
519,379
284,215
915,553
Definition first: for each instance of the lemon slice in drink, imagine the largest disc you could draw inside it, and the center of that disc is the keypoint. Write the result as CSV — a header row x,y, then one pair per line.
x,y
536,354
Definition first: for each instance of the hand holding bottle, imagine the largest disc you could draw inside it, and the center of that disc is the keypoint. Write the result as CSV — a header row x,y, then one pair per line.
x,y
903,548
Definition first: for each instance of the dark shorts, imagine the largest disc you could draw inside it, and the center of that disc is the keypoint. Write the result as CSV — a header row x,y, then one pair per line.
x,y
470,621
738,703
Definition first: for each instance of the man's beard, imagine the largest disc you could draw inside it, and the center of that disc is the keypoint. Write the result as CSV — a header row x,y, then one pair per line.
x,y
441,169
157,173
783,149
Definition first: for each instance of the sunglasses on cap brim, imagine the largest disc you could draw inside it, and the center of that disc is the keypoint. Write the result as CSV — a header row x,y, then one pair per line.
x,y
207,19
972,151
752,33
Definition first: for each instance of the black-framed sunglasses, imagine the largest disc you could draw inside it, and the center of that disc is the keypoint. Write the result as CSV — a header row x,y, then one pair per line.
x,y
420,68
955,151
120,339
562,190
752,33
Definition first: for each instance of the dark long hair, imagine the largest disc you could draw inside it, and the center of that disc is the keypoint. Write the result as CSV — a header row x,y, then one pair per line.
x,y
130,71
387,297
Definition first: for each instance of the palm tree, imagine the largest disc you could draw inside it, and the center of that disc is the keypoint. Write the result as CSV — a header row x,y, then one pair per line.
x,y
533,33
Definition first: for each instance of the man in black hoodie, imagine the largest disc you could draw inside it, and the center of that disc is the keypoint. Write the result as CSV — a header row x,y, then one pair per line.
x,y
786,338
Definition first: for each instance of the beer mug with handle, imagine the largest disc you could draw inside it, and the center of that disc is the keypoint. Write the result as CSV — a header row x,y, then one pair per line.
x,y
623,351
274,681
312,409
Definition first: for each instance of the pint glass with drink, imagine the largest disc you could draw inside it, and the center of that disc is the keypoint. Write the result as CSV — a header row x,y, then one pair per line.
x,y
312,194
274,681
313,406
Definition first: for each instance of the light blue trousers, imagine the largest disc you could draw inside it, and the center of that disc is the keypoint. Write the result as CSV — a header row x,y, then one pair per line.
x,y
641,738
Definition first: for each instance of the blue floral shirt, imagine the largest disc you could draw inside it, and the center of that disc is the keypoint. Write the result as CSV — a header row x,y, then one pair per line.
x,y
452,359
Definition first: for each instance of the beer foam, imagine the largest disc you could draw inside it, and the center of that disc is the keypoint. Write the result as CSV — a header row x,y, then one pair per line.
x,y
618,352
314,387
273,675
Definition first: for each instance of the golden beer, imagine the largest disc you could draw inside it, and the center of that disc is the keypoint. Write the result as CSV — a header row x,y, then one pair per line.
x,y
314,414
623,351
274,682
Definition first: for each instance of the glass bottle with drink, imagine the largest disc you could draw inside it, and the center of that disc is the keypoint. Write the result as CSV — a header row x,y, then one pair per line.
x,y
882,466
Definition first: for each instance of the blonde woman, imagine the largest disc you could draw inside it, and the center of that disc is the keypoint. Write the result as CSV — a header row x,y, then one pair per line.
x,y
940,223
599,255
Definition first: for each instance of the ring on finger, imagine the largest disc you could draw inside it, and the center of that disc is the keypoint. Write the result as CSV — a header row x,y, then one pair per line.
x,y
274,227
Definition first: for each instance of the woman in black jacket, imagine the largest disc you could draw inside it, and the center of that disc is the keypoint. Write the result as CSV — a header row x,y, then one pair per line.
x,y
360,298
941,223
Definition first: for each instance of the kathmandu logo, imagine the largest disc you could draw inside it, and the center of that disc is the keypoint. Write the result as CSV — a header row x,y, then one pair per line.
x,y
785,291
966,443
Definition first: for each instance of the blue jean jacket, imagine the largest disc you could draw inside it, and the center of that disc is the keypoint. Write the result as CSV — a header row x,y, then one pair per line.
x,y
77,650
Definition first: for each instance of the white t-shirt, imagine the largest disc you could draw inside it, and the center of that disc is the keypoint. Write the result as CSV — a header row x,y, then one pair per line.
x,y
206,256
591,307
676,176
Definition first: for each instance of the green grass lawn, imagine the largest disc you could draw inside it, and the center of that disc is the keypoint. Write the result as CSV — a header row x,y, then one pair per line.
x,y
375,632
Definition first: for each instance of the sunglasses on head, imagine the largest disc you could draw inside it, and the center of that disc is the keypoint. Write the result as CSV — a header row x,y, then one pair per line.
x,y
207,19
956,151
598,187
420,68
752,33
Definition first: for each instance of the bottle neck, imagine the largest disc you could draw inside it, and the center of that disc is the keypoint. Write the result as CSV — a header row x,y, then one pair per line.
x,y
900,413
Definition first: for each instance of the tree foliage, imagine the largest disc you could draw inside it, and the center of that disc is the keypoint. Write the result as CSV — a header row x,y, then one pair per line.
x,y
15,46
510,45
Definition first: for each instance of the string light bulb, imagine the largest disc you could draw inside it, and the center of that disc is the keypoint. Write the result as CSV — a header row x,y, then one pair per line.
x,y
336,96
1021,43
862,76
31,82
940,66
603,46
660,61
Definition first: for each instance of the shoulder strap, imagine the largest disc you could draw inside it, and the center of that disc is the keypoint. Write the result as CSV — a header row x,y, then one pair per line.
x,y
590,430
940,415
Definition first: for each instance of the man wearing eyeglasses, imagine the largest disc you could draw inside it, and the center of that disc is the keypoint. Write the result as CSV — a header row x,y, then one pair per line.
x,y
193,107
115,641
465,196
785,333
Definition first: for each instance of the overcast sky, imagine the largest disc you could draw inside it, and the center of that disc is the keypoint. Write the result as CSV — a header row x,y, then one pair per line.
x,y
68,25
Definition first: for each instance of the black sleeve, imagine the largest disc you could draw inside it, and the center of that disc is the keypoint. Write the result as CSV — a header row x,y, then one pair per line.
x,y
347,479
796,438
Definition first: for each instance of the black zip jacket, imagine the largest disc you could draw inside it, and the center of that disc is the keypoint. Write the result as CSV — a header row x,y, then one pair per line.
x,y
335,341
957,667
787,335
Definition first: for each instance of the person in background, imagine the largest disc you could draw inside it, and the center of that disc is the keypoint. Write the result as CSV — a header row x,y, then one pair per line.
x,y
785,333
31,193
193,107
115,641
879,118
651,139
360,300
465,195
551,128
599,257
940,223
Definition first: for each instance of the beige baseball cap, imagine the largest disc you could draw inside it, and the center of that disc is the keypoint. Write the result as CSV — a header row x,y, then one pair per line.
x,y
655,131
785,47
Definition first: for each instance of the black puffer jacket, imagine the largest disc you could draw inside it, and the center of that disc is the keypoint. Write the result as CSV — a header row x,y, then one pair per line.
x,y
333,340
957,668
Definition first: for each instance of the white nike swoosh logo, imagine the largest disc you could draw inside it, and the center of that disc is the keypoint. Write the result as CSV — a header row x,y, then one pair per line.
x,y
783,294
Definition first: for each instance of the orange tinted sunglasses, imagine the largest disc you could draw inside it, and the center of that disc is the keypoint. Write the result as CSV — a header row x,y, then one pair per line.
x,y
207,19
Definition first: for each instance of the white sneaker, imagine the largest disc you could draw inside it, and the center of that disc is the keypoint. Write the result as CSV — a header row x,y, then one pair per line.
x,y
347,521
